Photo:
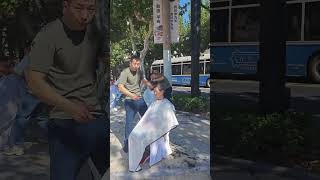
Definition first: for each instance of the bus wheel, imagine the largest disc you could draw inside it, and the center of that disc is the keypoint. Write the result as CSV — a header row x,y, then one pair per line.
x,y
314,69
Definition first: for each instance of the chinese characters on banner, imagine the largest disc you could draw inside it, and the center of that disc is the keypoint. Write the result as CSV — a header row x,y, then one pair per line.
x,y
157,21
174,19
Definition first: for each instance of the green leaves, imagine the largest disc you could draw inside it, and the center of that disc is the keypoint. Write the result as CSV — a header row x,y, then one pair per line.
x,y
186,102
8,7
140,11
277,137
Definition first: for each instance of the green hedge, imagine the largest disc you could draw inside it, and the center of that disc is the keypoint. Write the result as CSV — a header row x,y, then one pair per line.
x,y
273,137
185,102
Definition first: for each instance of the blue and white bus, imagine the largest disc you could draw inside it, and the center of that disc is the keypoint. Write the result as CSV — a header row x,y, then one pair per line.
x,y
235,34
181,70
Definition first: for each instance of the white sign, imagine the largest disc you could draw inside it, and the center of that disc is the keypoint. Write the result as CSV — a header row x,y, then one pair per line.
x,y
158,22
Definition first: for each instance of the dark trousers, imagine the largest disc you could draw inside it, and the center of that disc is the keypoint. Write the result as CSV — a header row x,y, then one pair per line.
x,y
133,107
72,143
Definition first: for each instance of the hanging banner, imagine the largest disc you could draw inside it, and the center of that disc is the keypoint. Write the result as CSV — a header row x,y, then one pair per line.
x,y
158,22
174,21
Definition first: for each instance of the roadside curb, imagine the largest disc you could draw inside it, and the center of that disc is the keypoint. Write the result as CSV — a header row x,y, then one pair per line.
x,y
297,173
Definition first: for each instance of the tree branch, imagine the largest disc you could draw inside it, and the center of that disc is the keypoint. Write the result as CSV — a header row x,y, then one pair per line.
x,y
139,17
132,33
205,7
143,53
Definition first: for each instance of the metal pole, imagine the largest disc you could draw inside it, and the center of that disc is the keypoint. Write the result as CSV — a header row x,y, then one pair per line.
x,y
166,40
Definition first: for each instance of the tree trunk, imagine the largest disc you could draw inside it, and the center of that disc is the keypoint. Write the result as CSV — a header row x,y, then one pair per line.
x,y
274,97
102,24
146,42
195,33
132,33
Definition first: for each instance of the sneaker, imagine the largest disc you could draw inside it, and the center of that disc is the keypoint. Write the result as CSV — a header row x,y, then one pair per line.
x,y
14,150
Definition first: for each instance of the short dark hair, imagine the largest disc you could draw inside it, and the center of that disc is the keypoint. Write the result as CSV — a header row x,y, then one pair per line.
x,y
134,57
162,85
154,71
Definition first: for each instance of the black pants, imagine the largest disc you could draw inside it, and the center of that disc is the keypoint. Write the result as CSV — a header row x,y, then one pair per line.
x,y
72,143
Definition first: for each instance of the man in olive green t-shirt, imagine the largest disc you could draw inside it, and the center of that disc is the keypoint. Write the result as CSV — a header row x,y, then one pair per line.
x,y
62,74
129,84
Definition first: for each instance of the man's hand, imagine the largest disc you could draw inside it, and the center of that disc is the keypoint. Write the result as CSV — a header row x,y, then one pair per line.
x,y
81,112
125,91
135,97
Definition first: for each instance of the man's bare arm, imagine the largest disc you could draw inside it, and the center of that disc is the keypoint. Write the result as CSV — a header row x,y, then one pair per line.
x,y
40,88
126,92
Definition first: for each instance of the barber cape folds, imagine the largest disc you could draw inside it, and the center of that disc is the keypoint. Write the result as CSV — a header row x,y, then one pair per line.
x,y
11,90
155,124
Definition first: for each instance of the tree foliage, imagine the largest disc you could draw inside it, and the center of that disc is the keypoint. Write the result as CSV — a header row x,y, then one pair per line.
x,y
129,27
8,7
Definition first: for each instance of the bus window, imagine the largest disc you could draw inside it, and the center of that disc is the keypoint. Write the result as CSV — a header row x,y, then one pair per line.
x,y
201,67
207,67
244,2
245,25
186,69
176,69
220,25
294,22
312,25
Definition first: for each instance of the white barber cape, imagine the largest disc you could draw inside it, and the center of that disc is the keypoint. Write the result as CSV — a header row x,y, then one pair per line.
x,y
152,129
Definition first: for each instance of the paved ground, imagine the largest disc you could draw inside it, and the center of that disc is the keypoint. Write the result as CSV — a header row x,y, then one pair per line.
x,y
191,146
34,164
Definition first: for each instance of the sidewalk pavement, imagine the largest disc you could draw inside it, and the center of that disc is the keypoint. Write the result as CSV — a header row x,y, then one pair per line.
x,y
190,142
34,163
